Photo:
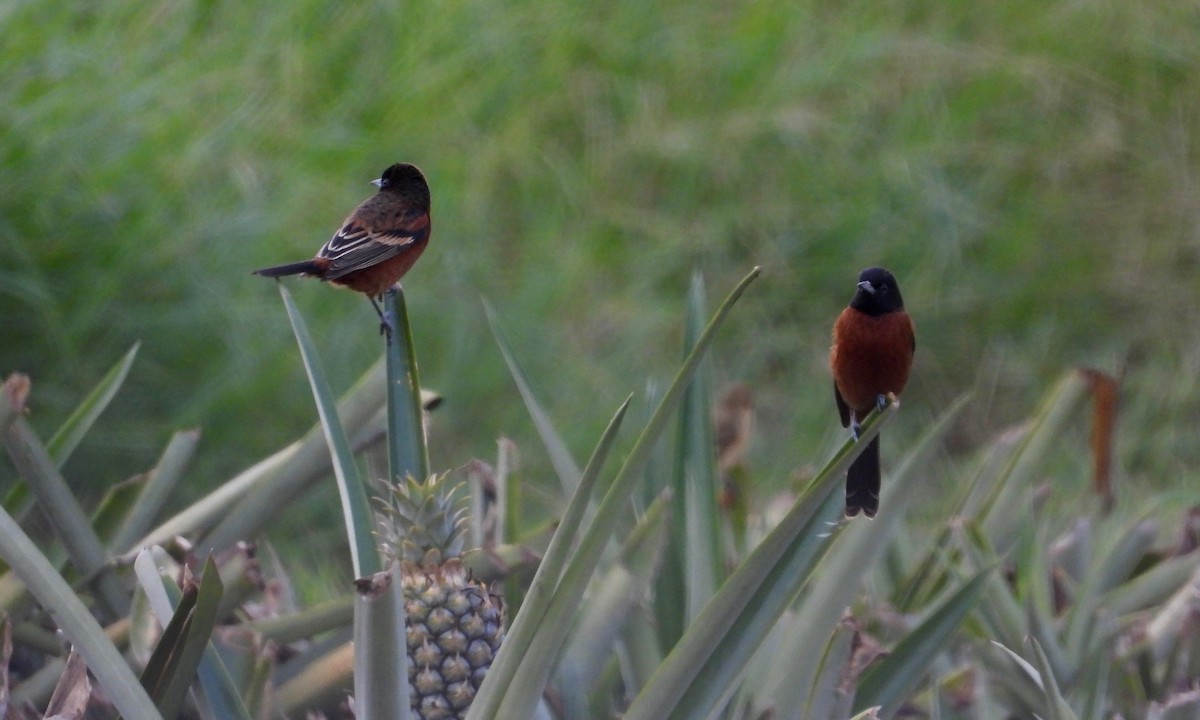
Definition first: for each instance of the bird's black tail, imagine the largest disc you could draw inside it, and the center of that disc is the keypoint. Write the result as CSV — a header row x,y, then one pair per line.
x,y
296,268
862,482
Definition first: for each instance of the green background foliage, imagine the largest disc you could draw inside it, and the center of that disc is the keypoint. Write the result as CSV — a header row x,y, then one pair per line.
x,y
1029,171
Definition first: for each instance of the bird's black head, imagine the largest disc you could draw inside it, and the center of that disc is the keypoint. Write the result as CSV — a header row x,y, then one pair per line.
x,y
877,293
406,180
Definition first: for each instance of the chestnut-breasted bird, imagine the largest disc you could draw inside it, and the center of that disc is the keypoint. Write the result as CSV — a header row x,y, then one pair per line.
x,y
873,346
378,242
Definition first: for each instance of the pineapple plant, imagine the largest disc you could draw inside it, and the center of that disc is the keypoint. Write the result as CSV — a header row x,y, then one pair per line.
x,y
454,626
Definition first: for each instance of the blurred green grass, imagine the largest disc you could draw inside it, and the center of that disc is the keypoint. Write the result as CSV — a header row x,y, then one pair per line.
x,y
1028,170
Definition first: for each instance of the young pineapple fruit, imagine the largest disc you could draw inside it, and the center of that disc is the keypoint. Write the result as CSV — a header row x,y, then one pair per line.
x,y
454,625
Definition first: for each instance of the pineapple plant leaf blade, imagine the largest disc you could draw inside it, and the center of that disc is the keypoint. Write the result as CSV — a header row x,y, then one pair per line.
x,y
556,449
893,678
356,508
407,451
825,700
314,620
163,597
694,577
1000,522
541,590
180,652
536,666
321,682
155,491
76,622
380,660
614,600
84,416
71,525
243,505
111,512
1056,704
733,624
790,676
1032,675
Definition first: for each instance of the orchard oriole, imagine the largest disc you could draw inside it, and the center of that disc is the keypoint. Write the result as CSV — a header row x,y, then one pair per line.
x,y
377,243
873,346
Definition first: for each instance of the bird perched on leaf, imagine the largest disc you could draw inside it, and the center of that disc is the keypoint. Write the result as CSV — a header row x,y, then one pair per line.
x,y
873,346
377,243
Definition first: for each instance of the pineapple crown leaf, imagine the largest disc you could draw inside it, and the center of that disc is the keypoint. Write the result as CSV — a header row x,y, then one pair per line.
x,y
421,522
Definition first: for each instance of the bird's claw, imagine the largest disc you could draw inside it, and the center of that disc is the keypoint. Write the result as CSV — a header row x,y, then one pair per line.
x,y
855,429
385,324
881,401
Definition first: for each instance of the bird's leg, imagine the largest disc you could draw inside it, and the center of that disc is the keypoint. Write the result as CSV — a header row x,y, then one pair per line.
x,y
385,323
881,401
855,426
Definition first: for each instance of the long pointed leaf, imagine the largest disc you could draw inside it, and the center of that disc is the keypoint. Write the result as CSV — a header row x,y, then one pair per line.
x,y
1000,523
166,473
1058,709
197,621
813,524
67,437
241,507
893,678
1044,682
525,626
356,506
826,699
535,667
623,587
380,652
854,554
733,624
695,526
163,597
407,451
556,449
71,525
76,622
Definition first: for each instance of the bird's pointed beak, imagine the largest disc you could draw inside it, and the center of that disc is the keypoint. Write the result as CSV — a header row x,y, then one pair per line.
x,y
867,287
378,182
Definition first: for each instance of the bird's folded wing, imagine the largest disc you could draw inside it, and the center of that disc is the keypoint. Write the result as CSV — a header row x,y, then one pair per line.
x,y
354,247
